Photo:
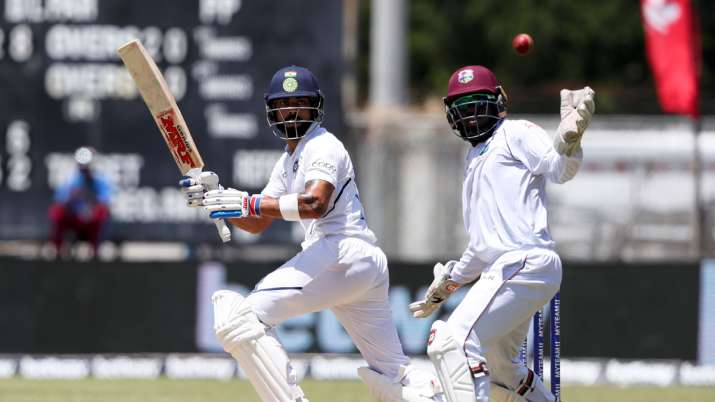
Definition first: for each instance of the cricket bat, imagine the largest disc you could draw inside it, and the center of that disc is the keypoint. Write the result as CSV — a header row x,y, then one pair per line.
x,y
162,106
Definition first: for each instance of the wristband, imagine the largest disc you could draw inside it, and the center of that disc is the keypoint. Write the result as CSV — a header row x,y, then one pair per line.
x,y
288,205
254,205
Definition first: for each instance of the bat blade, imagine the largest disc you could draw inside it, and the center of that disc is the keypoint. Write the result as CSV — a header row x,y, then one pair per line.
x,y
161,103
166,114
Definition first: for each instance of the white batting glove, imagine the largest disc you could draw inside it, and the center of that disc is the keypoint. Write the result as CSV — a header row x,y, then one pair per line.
x,y
231,203
577,108
194,187
441,288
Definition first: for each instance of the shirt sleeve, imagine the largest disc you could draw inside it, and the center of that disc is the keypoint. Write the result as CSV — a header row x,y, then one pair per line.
x,y
104,190
276,185
532,146
63,192
469,267
322,164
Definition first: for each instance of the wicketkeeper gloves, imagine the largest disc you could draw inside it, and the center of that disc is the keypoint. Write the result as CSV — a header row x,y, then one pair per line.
x,y
577,108
440,289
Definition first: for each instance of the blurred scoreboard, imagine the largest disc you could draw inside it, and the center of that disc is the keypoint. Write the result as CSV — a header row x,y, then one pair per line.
x,y
63,86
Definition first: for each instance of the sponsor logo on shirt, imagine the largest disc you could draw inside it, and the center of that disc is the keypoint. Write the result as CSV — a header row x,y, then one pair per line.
x,y
324,166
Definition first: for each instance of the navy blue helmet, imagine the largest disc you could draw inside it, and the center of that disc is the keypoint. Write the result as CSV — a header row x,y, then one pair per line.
x,y
293,82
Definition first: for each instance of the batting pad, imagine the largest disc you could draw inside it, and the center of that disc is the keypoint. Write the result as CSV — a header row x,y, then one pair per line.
x,y
260,356
451,364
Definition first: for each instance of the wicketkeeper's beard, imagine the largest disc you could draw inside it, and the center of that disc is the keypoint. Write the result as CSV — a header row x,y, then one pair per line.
x,y
483,123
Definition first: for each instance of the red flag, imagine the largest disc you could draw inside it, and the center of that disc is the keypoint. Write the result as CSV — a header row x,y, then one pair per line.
x,y
673,45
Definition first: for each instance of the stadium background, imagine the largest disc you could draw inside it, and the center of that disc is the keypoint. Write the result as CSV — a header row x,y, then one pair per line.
x,y
635,239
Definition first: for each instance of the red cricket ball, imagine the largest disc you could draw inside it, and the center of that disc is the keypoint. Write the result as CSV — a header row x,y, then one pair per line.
x,y
522,43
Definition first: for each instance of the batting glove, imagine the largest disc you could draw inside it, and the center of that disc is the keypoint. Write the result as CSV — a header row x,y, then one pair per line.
x,y
577,108
194,187
440,289
231,203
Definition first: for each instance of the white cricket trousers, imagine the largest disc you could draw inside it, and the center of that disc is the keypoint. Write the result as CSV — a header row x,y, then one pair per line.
x,y
347,275
493,319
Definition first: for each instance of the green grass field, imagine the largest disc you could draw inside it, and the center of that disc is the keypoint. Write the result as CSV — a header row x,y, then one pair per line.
x,y
18,390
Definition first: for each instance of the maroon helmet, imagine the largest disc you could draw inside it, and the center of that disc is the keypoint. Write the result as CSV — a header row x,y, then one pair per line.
x,y
475,103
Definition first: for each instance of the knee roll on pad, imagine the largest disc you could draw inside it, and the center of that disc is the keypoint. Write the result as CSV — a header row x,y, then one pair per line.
x,y
261,357
234,321
451,364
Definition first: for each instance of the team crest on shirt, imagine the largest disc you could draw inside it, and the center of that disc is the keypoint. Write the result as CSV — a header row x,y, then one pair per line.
x,y
295,166
465,76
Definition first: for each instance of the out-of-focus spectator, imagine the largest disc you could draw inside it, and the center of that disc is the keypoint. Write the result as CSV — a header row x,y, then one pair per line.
x,y
81,205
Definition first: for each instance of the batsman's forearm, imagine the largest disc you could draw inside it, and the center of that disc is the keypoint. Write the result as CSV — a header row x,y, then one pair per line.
x,y
309,207
252,224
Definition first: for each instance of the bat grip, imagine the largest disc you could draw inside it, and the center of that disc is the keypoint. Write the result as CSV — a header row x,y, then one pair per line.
x,y
211,183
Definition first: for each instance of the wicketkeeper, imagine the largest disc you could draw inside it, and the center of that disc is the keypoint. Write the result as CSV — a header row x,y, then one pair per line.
x,y
510,248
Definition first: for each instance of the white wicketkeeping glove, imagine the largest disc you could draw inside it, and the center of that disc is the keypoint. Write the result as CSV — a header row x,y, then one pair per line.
x,y
194,187
440,289
230,202
577,108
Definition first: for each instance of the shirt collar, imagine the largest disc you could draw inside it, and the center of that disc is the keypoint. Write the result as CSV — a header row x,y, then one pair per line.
x,y
317,130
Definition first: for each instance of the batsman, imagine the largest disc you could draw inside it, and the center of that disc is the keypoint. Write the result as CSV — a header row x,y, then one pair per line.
x,y
340,267
510,248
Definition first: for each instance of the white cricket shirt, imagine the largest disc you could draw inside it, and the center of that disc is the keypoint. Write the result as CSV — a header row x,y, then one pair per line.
x,y
503,197
321,156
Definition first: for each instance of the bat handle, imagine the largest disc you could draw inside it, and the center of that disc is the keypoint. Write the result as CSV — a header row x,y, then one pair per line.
x,y
223,231
211,183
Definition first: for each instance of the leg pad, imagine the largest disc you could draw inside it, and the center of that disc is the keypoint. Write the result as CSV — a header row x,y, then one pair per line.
x,y
259,355
451,364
